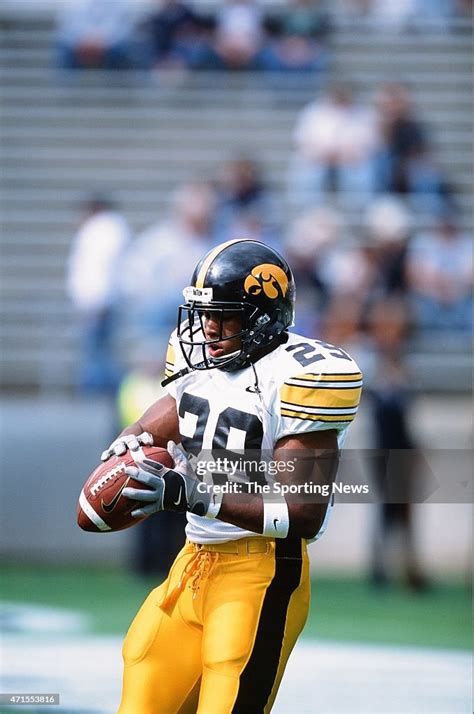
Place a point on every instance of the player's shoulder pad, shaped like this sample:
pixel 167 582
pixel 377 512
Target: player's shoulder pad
pixel 319 382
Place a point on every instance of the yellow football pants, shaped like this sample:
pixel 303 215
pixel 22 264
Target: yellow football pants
pixel 215 637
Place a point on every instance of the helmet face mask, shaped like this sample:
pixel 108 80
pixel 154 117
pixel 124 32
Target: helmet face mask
pixel 191 332
pixel 244 279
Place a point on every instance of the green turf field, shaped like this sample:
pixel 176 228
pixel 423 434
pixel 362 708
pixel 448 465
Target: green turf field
pixel 345 609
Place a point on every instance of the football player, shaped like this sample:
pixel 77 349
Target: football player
pixel 243 395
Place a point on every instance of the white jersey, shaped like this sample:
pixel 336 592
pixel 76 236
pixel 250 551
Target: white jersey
pixel 304 385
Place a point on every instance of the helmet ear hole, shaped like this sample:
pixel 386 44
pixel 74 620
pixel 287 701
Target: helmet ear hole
pixel 278 322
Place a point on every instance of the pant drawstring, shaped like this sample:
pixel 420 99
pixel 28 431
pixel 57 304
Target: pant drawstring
pixel 201 564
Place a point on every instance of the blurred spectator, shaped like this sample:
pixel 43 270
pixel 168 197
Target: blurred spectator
pixel 317 251
pixel 344 271
pixel 366 273
pixel 238 36
pixel 388 226
pixel 336 141
pixel 426 183
pixel 402 132
pixel 406 165
pixel 161 260
pixel 353 9
pixel 332 269
pixel 306 18
pixel 392 15
pixel 396 459
pixel 96 34
pixel 156 540
pixel 341 325
pixel 439 268
pixel 298 39
pixel 435 12
pixel 382 15
pixel 402 15
pixel 176 35
pixel 245 205
pixel 463 9
pixel 92 283
pixel 438 14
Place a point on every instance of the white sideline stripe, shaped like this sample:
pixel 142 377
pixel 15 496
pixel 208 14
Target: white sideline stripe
pixel 90 513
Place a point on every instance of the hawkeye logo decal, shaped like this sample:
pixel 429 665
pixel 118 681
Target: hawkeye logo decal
pixel 268 278
pixel 109 507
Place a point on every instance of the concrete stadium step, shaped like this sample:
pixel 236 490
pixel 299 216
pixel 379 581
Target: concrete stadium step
pixel 375 73
pixel 49 90
pixel 116 180
pixel 37 287
pixel 368 44
pixel 32 265
pixel 150 198
pixel 419 55
pixel 39 334
pixel 38 237
pixel 115 184
pixel 365 41
pixel 358 38
pixel 146 95
pixel 25 198
pixel 25 309
pixel 50 239
pixel 119 173
pixel 426 102
pixel 19 39
pixel 110 116
pixel 164 150
pixel 172 149
pixel 23 57
pixel 55 123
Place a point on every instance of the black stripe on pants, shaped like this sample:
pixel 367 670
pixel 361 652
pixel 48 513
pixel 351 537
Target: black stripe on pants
pixel 258 677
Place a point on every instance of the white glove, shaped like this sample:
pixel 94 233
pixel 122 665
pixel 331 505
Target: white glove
pixel 173 489
pixel 123 443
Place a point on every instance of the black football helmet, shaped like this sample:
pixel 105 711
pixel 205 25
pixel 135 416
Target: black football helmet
pixel 243 278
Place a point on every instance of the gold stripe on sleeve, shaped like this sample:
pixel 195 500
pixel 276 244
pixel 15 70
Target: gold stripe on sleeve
pixel 320 398
pixel 170 355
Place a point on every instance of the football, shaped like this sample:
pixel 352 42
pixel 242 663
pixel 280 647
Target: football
pixel 102 508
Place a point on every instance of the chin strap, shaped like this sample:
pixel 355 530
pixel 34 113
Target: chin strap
pixel 186 370
pixel 213 362
pixel 177 375
pixel 240 362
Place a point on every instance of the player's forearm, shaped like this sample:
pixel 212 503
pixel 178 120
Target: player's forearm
pixel 309 487
pixel 247 512
pixel 312 462
pixel 243 510
pixel 160 420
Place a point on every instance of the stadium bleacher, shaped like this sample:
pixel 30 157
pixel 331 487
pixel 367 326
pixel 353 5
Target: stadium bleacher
pixel 139 136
